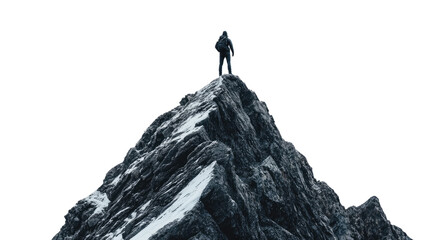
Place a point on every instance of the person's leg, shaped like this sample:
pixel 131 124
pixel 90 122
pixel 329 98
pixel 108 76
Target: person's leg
pixel 228 60
pixel 221 57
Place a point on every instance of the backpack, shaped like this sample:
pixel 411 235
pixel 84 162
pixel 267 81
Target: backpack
pixel 222 44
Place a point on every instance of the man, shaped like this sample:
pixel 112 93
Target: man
pixel 223 46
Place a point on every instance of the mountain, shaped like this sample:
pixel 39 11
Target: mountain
pixel 216 167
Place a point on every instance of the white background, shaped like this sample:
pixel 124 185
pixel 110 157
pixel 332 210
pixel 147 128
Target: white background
pixel 346 82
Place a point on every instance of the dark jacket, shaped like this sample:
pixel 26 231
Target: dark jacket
pixel 230 47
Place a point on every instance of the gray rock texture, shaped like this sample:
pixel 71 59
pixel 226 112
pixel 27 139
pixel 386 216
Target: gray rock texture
pixel 216 167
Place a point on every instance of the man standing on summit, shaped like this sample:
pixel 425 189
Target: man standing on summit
pixel 223 46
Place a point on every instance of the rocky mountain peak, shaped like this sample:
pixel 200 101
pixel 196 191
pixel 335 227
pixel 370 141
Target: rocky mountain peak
pixel 216 167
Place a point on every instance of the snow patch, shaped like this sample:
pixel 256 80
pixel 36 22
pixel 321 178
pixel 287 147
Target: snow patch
pixel 188 126
pixel 191 121
pixel 121 211
pixel 117 235
pixel 116 180
pixel 99 200
pixel 184 201
pixel 194 112
pixel 130 169
pixel 111 236
pixel 133 165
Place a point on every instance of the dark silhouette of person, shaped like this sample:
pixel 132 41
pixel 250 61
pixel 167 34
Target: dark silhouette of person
pixel 224 45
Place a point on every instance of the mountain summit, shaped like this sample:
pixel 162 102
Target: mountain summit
pixel 216 167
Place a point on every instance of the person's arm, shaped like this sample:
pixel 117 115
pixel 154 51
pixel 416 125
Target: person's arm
pixel 230 45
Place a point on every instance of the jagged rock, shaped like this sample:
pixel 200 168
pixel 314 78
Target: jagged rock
pixel 216 167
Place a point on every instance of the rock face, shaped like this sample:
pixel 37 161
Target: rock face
pixel 216 167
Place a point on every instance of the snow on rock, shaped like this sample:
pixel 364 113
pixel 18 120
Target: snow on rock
pixel 111 236
pixel 189 126
pixel 117 235
pixel 116 180
pixel 131 169
pixel 195 111
pixel 184 201
pixel 133 166
pixel 264 189
pixel 99 200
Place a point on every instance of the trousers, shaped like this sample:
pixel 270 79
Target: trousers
pixel 222 56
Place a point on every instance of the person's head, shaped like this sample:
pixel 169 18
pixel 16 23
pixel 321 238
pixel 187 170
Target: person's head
pixel 225 34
